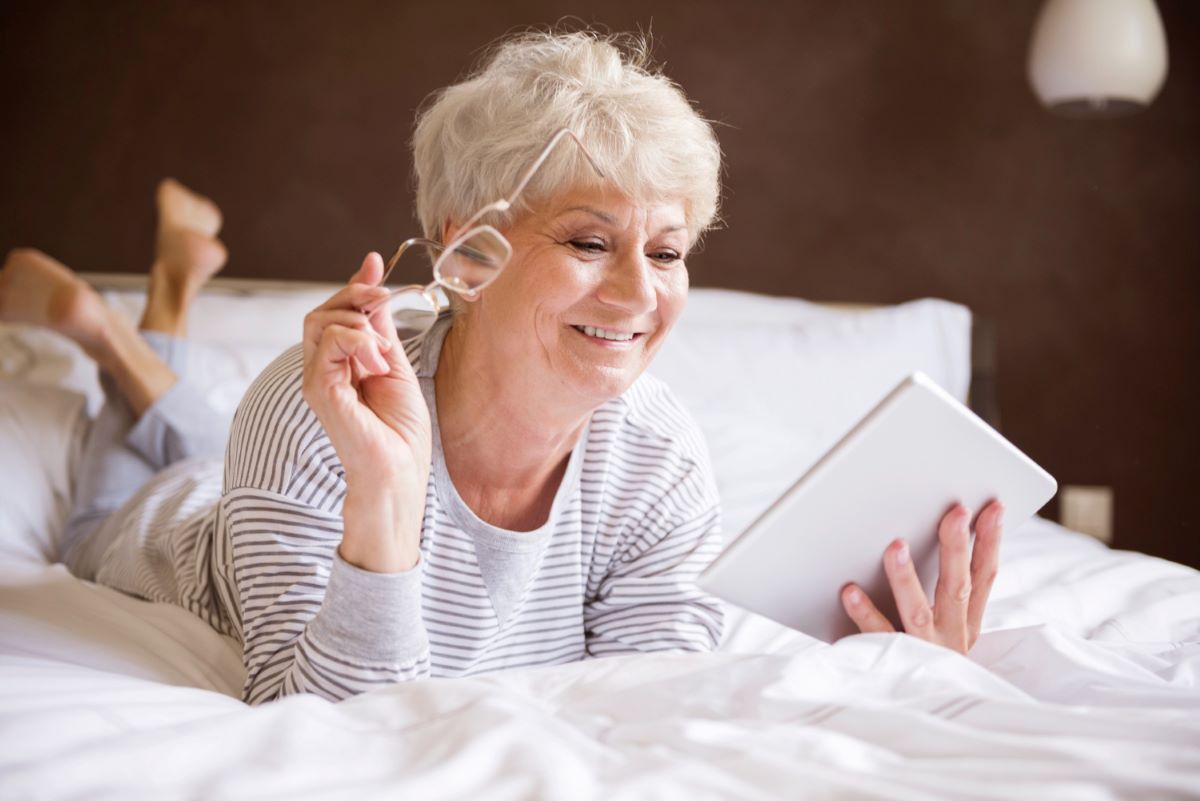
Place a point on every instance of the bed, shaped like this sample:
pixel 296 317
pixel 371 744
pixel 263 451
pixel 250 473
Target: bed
pixel 1084 684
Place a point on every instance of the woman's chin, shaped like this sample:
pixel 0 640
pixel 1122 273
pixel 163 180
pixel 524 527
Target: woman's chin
pixel 603 383
pixel 598 373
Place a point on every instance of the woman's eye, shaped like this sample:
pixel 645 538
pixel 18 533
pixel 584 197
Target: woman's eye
pixel 595 246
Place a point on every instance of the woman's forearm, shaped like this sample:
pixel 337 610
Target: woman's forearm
pixel 362 388
pixel 381 529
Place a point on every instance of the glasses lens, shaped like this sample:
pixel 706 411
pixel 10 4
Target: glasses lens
pixel 412 313
pixel 474 262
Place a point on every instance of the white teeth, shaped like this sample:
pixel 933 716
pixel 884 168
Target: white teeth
pixel 600 333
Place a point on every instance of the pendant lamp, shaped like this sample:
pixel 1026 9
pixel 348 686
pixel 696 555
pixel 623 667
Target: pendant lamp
pixel 1097 58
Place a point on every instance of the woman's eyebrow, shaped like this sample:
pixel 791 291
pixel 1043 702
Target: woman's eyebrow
pixel 611 220
pixel 608 218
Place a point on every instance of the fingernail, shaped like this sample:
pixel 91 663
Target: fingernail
pixel 384 343
pixel 902 555
pixel 853 597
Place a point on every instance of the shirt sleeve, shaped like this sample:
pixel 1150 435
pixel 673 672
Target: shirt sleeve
pixel 649 600
pixel 310 621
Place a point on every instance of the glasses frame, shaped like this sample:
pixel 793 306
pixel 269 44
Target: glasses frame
pixel 471 228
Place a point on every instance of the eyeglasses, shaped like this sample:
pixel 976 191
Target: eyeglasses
pixel 467 263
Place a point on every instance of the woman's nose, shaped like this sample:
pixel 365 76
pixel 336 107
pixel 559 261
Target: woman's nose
pixel 629 284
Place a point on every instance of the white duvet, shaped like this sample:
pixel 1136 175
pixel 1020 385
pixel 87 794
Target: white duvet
pixel 1084 686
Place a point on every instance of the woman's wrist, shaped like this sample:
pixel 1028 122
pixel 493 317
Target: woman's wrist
pixel 381 529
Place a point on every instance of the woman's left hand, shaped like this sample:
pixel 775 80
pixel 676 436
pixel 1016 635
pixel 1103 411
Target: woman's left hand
pixel 965 577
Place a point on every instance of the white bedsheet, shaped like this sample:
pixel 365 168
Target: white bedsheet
pixel 1087 685
pixel 99 699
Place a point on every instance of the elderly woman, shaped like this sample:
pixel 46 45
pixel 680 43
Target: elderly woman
pixel 505 488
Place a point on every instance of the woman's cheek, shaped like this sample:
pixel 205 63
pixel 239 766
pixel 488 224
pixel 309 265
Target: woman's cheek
pixel 673 296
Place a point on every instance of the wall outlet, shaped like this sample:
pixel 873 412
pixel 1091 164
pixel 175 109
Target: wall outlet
pixel 1087 509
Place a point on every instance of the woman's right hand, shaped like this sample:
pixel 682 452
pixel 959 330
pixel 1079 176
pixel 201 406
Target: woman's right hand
pixel 359 383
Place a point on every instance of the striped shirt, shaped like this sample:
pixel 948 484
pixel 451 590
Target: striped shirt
pixel 612 571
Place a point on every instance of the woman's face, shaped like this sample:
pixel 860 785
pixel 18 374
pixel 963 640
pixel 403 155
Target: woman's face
pixel 595 283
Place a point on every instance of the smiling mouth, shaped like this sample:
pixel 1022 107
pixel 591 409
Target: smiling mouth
pixel 607 335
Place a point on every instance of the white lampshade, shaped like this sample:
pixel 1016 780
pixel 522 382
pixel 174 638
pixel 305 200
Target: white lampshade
pixel 1097 57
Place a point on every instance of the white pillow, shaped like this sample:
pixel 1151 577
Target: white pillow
pixel 775 382
pixel 39 434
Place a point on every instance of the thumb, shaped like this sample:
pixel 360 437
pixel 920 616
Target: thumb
pixel 371 270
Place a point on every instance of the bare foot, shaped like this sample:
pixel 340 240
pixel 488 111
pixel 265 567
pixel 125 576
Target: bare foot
pixel 187 255
pixel 180 207
pixel 39 290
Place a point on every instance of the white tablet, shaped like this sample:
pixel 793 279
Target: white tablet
pixel 897 472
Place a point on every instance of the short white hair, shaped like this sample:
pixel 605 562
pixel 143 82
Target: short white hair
pixel 474 139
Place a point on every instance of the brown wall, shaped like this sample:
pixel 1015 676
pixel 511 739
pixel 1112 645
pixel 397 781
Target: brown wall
pixel 878 150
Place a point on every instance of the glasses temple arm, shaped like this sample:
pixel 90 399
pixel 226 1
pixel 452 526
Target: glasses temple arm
pixel 546 151
pixel 405 245
pixel 506 203
pixel 371 308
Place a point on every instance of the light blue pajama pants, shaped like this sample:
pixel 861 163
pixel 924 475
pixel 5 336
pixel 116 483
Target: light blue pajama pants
pixel 121 453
